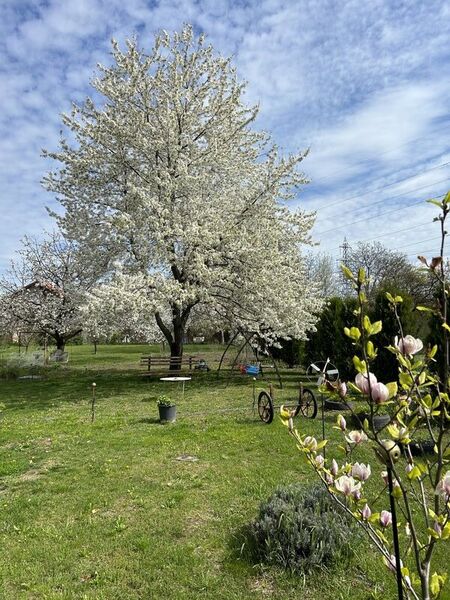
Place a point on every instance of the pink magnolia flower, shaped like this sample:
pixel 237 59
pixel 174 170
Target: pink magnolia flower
pixel 310 442
pixel 362 382
pixel 356 437
pixel 357 495
pixel 437 528
pixel 319 460
pixel 409 467
pixel 342 389
pixel 443 486
pixel 341 422
pixel 334 468
pixel 385 518
pixel 380 393
pixel 361 471
pixel 366 513
pixel 347 485
pixel 391 563
pixel 408 345
pixel 384 477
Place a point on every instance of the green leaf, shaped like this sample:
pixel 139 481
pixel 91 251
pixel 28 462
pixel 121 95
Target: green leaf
pixel 397 492
pixel 376 328
pixel 435 202
pixel 392 388
pixel 371 352
pixel 347 273
pixel 414 473
pixel 353 333
pixel 405 379
pixel 359 364
pixel 446 326
pixel 424 309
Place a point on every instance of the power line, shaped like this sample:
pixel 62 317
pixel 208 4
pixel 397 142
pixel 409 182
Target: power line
pixel 438 237
pixel 394 197
pixel 368 160
pixel 377 237
pixel 366 218
pixel 359 195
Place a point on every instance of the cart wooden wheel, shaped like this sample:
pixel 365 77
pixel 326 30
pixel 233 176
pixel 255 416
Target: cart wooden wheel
pixel 265 407
pixel 307 404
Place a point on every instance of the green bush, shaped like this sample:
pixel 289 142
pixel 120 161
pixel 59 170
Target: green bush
pixel 384 367
pixel 301 529
pixel 289 352
pixel 329 339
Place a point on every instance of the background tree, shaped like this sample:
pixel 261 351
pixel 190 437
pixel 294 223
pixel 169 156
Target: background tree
pixel 329 340
pixel 44 288
pixel 170 178
pixel 413 323
pixel 386 269
pixel 322 270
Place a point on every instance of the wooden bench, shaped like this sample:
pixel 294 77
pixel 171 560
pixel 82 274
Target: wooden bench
pixel 169 362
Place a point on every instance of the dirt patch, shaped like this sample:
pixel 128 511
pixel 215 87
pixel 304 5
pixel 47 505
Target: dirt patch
pixel 262 585
pixel 36 472
pixel 197 519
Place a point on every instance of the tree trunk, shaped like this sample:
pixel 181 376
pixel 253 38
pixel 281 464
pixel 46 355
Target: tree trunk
pixel 60 342
pixel 175 339
pixel 176 346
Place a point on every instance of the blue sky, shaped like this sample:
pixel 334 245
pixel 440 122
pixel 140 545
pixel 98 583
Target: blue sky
pixel 365 85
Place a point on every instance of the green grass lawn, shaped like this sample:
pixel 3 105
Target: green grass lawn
pixel 106 511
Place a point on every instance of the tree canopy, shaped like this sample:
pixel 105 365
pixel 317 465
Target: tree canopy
pixel 169 178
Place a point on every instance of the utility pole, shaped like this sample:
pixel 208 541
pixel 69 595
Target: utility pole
pixel 345 284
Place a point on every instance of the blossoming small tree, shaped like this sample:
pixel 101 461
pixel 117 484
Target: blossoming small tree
pixel 418 491
pixel 45 287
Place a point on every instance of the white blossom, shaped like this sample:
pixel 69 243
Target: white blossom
pixel 170 179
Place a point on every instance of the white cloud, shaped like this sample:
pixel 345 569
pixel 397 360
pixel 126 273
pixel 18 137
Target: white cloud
pixel 364 83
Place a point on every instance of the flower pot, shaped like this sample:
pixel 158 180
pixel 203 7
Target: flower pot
pixel 336 405
pixel 379 421
pixel 421 448
pixel 167 414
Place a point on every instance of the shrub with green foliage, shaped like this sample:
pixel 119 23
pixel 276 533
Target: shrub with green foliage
pixel 412 321
pixel 289 352
pixel 329 341
pixel 301 529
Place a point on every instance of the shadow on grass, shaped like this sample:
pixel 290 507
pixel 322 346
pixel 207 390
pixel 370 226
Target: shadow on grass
pixel 148 421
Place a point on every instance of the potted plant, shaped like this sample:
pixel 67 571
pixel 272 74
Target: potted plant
pixel 167 409
pixel 380 420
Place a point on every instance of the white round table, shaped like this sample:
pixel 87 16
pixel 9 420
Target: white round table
pixel 181 380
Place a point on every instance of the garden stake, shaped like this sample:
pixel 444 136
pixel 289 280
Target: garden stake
pixel 94 385
pixel 323 425
pixel 395 534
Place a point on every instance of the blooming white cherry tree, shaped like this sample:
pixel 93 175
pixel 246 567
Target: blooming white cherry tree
pixel 170 178
pixel 120 307
pixel 44 289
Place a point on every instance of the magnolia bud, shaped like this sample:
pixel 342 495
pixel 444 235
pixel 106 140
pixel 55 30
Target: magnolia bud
pixel 366 513
pixel 385 518
pixel 380 393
